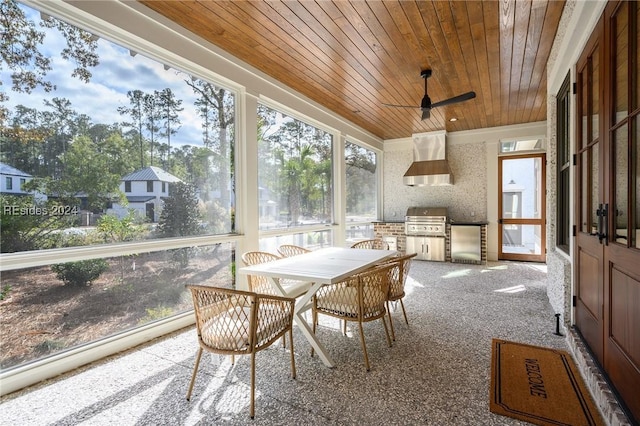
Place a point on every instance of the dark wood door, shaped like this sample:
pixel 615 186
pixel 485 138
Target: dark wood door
pixel 622 181
pixel 607 249
pixel 589 247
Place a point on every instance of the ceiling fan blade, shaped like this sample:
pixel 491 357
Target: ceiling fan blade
pixel 401 106
pixel 426 113
pixel 455 99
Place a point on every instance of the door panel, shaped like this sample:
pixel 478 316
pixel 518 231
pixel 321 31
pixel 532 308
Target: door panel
pixel 589 295
pixel 624 287
pixel 590 283
pixel 622 341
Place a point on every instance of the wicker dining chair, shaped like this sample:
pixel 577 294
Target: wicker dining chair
pixel 234 322
pixel 376 244
pixel 360 298
pixel 288 250
pixel 261 284
pixel 397 279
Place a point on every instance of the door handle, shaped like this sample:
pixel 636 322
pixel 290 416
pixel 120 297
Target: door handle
pixel 603 214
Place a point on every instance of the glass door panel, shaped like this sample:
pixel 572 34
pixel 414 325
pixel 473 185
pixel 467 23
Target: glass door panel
pixel 620 212
pixel 594 176
pixel 635 181
pixel 522 239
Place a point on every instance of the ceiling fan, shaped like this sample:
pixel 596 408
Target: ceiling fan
pixel 426 106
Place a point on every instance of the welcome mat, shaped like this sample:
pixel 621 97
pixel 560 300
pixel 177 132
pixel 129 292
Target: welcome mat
pixel 539 385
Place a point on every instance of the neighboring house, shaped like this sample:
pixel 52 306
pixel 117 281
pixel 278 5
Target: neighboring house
pixel 145 189
pixel 268 207
pixel 12 182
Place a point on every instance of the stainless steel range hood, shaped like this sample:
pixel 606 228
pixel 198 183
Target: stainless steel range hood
pixel 430 166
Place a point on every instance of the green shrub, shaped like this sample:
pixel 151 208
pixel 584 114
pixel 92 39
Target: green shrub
pixel 157 313
pixel 48 346
pixel 81 273
pixel 5 291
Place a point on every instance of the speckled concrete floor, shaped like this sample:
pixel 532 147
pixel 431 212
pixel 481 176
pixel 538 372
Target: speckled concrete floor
pixel 437 372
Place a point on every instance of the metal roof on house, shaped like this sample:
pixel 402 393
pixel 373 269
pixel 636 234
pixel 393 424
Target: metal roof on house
pixel 151 173
pixel 6 169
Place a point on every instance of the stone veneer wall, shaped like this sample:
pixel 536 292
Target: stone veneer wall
pixel 465 201
pixel 558 264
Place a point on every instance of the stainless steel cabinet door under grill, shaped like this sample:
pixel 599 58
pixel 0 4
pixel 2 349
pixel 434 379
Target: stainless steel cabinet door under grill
pixel 427 248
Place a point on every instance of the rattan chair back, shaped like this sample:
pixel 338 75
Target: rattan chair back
pixel 397 279
pixel 288 250
pixel 375 244
pixel 237 322
pixel 257 283
pixel 398 275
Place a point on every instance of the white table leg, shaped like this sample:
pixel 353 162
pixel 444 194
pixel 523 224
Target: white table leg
pixel 302 304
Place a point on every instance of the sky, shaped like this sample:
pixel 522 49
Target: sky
pixel 117 73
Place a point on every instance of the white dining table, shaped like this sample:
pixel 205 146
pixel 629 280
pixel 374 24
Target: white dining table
pixel 319 267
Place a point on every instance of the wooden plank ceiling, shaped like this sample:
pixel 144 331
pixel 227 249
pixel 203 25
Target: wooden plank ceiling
pixel 354 56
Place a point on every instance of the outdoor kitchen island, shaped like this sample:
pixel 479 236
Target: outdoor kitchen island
pixel 396 230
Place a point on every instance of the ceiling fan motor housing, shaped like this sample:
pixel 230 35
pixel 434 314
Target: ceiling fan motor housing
pixel 426 102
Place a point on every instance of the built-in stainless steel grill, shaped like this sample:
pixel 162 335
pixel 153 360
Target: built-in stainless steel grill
pixel 426 221
pixel 426 231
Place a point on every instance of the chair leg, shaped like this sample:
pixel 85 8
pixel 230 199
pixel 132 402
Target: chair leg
pixel 364 346
pixel 314 320
pixel 404 312
pixel 195 370
pixel 393 333
pixel 386 330
pixel 344 327
pixel 293 358
pixel 253 385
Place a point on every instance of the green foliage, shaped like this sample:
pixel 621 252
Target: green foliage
pixel 180 257
pixel 5 291
pixel 216 218
pixel 27 224
pixel 19 39
pixel 87 170
pixel 48 346
pixel 154 314
pixel 29 66
pixel 81 273
pixel 295 166
pixel 113 230
pixel 180 215
pixel 70 154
